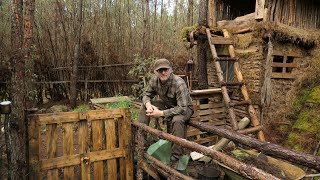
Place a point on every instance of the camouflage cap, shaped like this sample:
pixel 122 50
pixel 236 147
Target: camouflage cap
pixel 162 63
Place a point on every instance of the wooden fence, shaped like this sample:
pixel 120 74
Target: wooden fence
pixel 95 144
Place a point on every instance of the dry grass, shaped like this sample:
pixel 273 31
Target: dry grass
pixel 284 33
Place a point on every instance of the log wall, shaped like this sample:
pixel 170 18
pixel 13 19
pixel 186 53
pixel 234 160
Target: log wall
pixel 297 13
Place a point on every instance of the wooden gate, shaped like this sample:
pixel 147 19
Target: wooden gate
pixel 95 144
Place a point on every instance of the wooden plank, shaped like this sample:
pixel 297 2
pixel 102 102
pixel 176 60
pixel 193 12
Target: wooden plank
pixel 129 144
pixel 68 172
pixel 51 140
pixel 109 100
pixel 75 159
pixel 99 156
pixel 83 149
pixel 292 65
pixel 104 114
pixel 65 117
pixel 111 144
pixel 282 75
pixel 221 40
pixel 97 146
pixel 34 143
pixel 122 145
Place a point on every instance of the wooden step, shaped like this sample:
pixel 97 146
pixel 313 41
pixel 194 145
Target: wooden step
pixel 225 59
pixel 221 40
pixel 223 83
pixel 241 103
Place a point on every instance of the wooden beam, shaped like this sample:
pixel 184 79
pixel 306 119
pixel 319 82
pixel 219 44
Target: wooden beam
pixel 292 65
pixel 282 76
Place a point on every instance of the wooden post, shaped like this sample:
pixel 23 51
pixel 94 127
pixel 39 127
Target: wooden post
pixel 33 140
pixel 259 13
pixel 212 14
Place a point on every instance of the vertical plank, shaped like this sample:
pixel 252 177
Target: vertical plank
pixel 259 13
pixel 33 140
pixel 68 172
pixel 111 144
pixel 122 145
pixel 97 146
pixel 128 143
pixel 83 149
pixel 51 140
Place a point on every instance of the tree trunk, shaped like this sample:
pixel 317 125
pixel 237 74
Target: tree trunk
pixel 202 47
pixel 146 31
pixel 31 95
pixel 74 74
pixel 190 12
pixel 15 125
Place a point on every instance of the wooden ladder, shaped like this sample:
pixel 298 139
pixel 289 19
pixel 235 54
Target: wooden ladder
pixel 225 39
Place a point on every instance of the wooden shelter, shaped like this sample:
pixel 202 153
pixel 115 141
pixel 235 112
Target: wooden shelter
pixel 274 42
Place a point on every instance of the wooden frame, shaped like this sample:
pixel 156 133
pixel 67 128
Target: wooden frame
pixel 104 137
pixel 283 69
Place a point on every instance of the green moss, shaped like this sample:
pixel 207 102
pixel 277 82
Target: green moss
pixel 186 30
pixel 184 34
pixel 81 108
pixel 308 121
pixel 294 142
pixel 306 126
pixel 314 96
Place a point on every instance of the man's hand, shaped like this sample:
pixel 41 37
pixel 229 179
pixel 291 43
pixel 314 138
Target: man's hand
pixel 156 113
pixel 150 107
pixel 153 111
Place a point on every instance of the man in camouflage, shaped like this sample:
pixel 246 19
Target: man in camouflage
pixel 173 103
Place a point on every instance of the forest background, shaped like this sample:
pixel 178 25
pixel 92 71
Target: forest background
pixel 40 36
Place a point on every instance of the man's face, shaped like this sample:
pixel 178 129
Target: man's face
pixel 163 74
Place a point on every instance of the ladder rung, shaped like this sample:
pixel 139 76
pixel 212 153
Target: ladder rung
pixel 225 59
pixel 221 40
pixel 241 103
pixel 222 83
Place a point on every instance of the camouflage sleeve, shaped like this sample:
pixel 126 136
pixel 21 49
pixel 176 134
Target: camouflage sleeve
pixel 149 92
pixel 182 101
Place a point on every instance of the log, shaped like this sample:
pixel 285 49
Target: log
pixel 267 148
pixel 243 169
